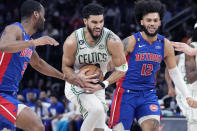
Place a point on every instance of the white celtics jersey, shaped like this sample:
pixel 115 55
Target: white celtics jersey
pixel 97 54
pixel 181 64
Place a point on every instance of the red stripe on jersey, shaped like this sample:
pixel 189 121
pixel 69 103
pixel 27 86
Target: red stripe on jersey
pixel 4 61
pixel 115 108
pixel 8 109
pixel 119 83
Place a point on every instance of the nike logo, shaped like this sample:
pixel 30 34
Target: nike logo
pixel 142 45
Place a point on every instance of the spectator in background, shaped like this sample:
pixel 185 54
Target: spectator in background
pixel 31 101
pixel 56 109
pixel 43 97
pixel 30 89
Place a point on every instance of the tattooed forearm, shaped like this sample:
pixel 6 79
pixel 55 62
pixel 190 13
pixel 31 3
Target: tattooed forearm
pixel 125 42
pixel 113 37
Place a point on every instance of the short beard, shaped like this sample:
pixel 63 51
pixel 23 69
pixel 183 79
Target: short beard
pixel 39 26
pixel 149 34
pixel 91 33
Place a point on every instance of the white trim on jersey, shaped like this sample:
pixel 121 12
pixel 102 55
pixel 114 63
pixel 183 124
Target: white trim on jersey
pixel 2 58
pixel 8 111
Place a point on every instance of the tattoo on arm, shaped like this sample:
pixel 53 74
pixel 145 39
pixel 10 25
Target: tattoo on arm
pixel 113 37
pixel 68 37
pixel 125 42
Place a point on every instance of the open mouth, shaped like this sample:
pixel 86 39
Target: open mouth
pixel 151 29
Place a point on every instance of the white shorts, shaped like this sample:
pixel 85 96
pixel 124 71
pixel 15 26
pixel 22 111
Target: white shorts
pixel 188 112
pixel 73 92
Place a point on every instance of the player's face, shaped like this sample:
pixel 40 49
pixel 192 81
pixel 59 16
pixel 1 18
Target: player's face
pixel 40 22
pixel 94 25
pixel 151 23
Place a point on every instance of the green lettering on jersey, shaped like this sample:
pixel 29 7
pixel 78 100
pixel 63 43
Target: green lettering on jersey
pixel 94 57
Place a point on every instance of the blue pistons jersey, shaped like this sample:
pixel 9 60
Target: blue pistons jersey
pixel 143 63
pixel 135 95
pixel 13 65
pixel 12 68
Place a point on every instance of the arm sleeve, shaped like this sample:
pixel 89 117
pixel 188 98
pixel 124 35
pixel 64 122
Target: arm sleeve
pixel 177 78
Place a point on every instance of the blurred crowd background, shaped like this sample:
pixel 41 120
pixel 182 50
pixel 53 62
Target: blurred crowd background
pixel 45 95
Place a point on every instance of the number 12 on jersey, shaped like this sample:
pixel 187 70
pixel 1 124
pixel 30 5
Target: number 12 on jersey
pixel 147 69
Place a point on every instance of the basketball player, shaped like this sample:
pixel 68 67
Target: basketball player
pixel 17 50
pixel 93 44
pixel 187 66
pixel 186 48
pixel 135 95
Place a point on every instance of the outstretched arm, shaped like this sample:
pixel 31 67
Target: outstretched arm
pixel 43 67
pixel 11 40
pixel 175 74
pixel 179 46
pixel 171 90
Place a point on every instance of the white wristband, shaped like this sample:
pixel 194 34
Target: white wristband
pixel 106 83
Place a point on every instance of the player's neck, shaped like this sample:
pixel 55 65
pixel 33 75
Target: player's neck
pixel 90 41
pixel 150 39
pixel 28 26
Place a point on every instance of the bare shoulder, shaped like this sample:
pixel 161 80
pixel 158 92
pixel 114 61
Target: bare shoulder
pixel 71 40
pixel 11 32
pixel 14 28
pixel 131 44
pixel 112 37
pixel 70 46
pixel 113 40
pixel 168 48
pixel 114 43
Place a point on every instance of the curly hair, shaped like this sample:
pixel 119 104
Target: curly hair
pixel 143 7
pixel 92 9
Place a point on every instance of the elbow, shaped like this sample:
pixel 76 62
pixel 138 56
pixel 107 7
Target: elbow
pixel 62 68
pixel 36 64
pixel 2 48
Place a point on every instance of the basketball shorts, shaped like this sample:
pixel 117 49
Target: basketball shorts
pixel 73 92
pixel 130 104
pixel 10 107
pixel 80 98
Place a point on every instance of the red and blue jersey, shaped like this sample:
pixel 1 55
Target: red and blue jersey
pixel 143 64
pixel 13 65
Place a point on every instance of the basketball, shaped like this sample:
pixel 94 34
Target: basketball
pixel 93 69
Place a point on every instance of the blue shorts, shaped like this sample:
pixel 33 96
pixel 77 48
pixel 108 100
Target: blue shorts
pixel 8 110
pixel 127 105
